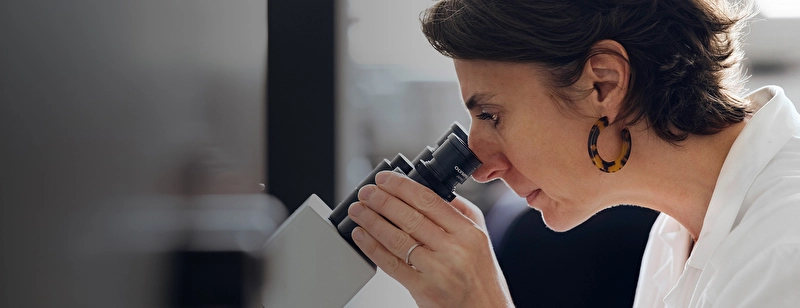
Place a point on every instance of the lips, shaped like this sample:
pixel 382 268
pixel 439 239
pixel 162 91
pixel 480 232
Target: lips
pixel 532 196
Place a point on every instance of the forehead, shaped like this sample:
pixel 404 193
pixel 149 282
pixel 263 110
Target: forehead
pixel 493 77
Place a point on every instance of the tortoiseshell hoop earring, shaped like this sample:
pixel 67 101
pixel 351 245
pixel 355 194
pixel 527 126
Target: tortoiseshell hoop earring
pixel 608 166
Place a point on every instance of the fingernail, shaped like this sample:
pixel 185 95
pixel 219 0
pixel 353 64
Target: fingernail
pixel 356 209
pixel 358 234
pixel 365 192
pixel 381 177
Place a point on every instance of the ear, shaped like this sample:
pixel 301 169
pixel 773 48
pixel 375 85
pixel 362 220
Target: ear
pixel 607 73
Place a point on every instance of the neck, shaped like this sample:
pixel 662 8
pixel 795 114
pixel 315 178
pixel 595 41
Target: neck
pixel 685 174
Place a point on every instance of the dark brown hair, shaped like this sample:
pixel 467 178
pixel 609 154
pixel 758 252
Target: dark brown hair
pixel 684 54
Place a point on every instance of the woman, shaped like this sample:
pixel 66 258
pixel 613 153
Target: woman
pixel 583 105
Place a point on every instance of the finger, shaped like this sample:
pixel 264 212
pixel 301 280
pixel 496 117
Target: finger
pixel 401 215
pixel 419 257
pixel 394 240
pixel 464 207
pixel 424 200
pixel 388 262
pixel 470 210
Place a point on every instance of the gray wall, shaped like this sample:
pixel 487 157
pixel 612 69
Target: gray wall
pixel 113 113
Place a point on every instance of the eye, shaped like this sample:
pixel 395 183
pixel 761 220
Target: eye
pixel 485 116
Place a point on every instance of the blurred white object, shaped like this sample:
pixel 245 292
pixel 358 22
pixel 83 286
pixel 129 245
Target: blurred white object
pixel 779 8
pixel 382 291
pixel 308 264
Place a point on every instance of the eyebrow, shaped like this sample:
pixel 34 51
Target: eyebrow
pixel 477 99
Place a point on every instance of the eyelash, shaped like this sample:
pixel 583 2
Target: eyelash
pixel 485 116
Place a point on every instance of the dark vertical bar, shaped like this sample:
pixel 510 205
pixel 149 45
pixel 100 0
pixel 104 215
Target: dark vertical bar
pixel 300 100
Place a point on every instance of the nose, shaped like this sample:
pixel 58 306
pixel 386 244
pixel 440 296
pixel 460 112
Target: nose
pixel 489 151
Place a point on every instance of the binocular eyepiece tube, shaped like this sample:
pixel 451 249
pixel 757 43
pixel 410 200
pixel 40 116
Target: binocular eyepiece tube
pixel 439 168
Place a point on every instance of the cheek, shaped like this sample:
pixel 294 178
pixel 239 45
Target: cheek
pixel 544 149
pixel 531 157
pixel 556 159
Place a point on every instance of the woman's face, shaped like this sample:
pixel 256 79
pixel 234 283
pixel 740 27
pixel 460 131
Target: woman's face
pixel 531 141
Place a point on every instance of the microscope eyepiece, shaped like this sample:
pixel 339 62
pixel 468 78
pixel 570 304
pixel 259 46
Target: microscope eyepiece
pixel 452 163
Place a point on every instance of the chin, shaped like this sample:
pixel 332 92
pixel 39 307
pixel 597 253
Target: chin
pixel 559 225
pixel 554 218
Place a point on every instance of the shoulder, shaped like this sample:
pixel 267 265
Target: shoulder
pixel 765 274
pixel 758 264
pixel 769 214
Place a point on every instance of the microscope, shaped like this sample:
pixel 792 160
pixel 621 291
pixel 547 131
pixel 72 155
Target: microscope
pixel 311 259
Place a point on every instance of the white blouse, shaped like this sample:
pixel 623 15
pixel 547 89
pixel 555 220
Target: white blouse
pixel 748 251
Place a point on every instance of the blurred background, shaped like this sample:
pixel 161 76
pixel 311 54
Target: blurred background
pixel 144 140
pixel 133 134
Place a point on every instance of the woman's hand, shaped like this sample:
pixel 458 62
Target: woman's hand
pixel 453 267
